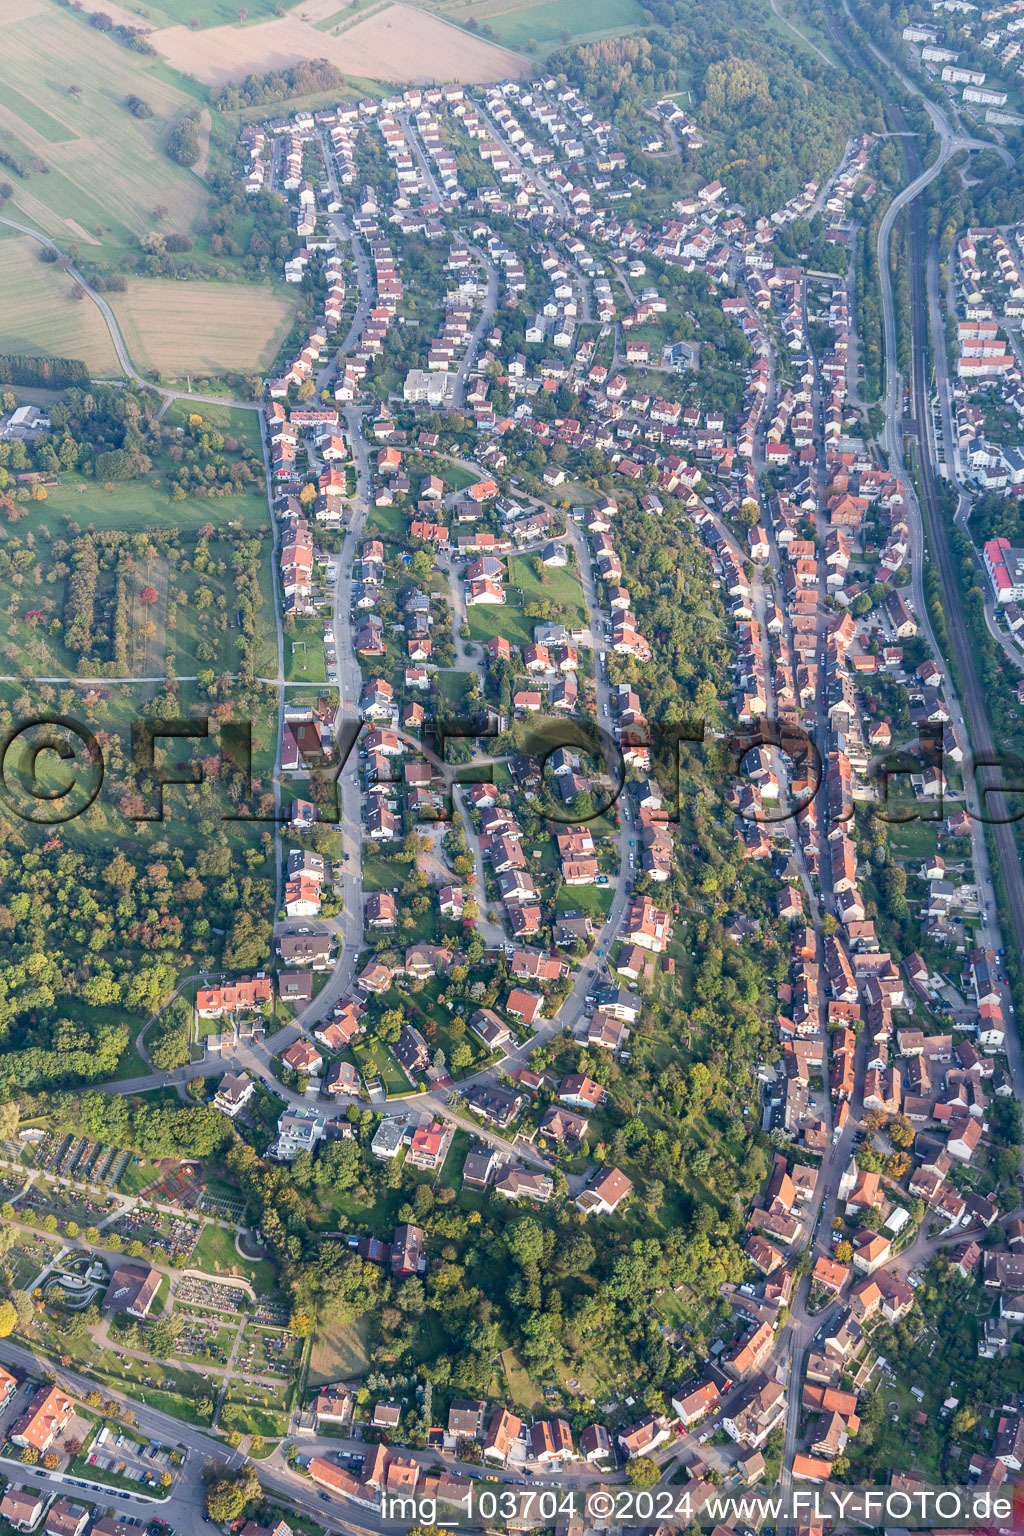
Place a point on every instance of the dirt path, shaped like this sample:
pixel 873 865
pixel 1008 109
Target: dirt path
pixel 154 646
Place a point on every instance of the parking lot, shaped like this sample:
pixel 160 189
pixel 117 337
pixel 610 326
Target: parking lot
pixel 119 1455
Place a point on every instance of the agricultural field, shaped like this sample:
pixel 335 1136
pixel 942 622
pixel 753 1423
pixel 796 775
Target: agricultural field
pixel 102 186
pixel 199 327
pixel 398 43
pixel 39 316
pixel 209 13
pixel 550 24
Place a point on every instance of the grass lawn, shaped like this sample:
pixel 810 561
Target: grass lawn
pixel 381 874
pixel 179 1405
pixel 341 1210
pixel 811 39
pixel 542 860
pixel 267 660
pixel 131 1063
pixel 139 504
pixel 523 1390
pixel 252 1418
pixel 594 900
pixel 559 586
pixel 304 660
pixel 217 1255
pixel 451 687
pixel 179 1396
pixel 214 625
pixel 489 619
pixel 340 1350
pixel 914 840
pixel 227 419
pixel 375 1060
pixel 387 523
pixel 457 479
pixel 450 1176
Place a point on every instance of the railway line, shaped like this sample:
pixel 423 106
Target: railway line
pixel 967 702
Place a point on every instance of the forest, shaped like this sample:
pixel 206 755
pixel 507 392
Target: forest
pixel 91 943
pixel 305 79
pixel 771 120
pixel 100 916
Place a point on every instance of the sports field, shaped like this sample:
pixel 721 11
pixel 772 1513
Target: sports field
pixel 38 314
pixel 107 169
pixel 201 327
pixel 398 43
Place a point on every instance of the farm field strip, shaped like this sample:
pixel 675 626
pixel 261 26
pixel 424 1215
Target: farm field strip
pixel 38 314
pixel 178 327
pixel 107 182
pixel 21 108
pixel 398 43
pixel 545 23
